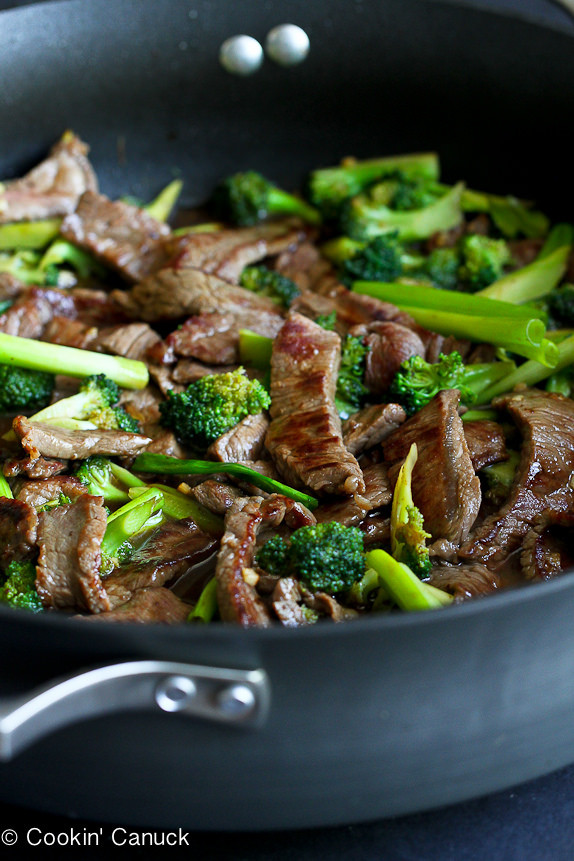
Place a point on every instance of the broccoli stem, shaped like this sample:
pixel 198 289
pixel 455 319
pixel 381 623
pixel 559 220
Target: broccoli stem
pixel 281 202
pixel 160 463
pixel 479 415
pixel 179 506
pixel 57 359
pixel 255 350
pixel 130 519
pixel 31 235
pixel 531 282
pixel 5 489
pixel 206 606
pixel 61 251
pixel 510 215
pixel 515 328
pixel 530 373
pixel 161 207
pixel 404 587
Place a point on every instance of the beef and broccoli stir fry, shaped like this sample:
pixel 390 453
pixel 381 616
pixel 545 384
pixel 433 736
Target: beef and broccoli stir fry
pixel 354 400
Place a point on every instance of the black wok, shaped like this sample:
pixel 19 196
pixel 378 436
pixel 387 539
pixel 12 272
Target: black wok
pixel 331 724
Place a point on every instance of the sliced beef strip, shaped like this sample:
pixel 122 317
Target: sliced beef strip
pixel 372 425
pixel 131 341
pixel 70 333
pixel 148 605
pixel 243 442
pixel 53 187
pixel 376 529
pixel 226 253
pixel 174 548
pixel 486 443
pixel 122 236
pixel 305 437
pixel 165 442
pixel 327 605
pixel 18 525
pixel 303 265
pixel 29 315
pixel 38 493
pixel 10 286
pixel 548 548
pixel 390 344
pixel 464 581
pixel 163 379
pixel 187 371
pixel 376 495
pixel 445 487
pixel 543 478
pixel 68 568
pixel 211 338
pixel 38 438
pixel 244 521
pixel 142 404
pixel 172 294
pixel 286 603
pixel 42 467
pixel 215 495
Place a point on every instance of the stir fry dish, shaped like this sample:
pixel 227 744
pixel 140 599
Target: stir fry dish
pixel 294 408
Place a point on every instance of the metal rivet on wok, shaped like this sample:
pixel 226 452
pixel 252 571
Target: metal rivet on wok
pixel 236 700
pixel 174 693
pixel 241 55
pixel 287 44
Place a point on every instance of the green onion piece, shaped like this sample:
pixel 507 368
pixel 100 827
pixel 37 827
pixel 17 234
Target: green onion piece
pixel 531 282
pixel 180 505
pixel 206 606
pixel 479 416
pixel 37 355
pixel 206 227
pixel 161 207
pixel 32 235
pixel 130 519
pixel 161 463
pixel 5 489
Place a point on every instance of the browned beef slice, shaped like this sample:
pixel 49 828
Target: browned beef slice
pixel 148 605
pixel 187 371
pixel 68 569
pixel 40 492
pixel 174 548
pixel 248 516
pixel 371 426
pixel 390 344
pixel 305 438
pixel 445 488
pixel 303 265
pixel 543 478
pixel 131 341
pixel 486 443
pixel 70 333
pixel 28 316
pixel 327 605
pixel 376 528
pixel 215 496
pixel 465 581
pixel 39 438
pixel 10 286
pixel 142 404
pixel 548 548
pixel 352 511
pixel 171 294
pixel 211 338
pixel 165 442
pixel 40 468
pixel 51 188
pixel 163 379
pixel 226 253
pixel 18 523
pixel 243 442
pixel 122 236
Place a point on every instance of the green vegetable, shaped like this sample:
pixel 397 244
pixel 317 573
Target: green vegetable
pixel 511 216
pixel 499 477
pixel 417 381
pixel 267 282
pixel 560 303
pixel 94 403
pixel 161 207
pixel 160 463
pixel 442 267
pixel 21 389
pixel 403 586
pixel 255 350
pixel 19 586
pixel 5 489
pixel 56 359
pixel 124 525
pixel 378 260
pixel 327 556
pixel 206 606
pixel 247 198
pixel 408 537
pixel 484 260
pixel 29 235
pixel 350 388
pixel 329 187
pixel 103 477
pixel 179 506
pixel 363 219
pixel 212 405
pixel 63 252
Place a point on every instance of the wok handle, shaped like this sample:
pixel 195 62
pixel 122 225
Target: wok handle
pixel 237 697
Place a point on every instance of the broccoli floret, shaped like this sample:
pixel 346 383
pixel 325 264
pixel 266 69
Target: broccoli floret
pixel 442 268
pixel 327 321
pixel 61 499
pixel 379 260
pixel 403 194
pixel 484 260
pixel 95 403
pixel 408 536
pixel 247 198
pixel 267 282
pixel 273 556
pixel 417 381
pixel 212 405
pixel 350 388
pixel 560 304
pixel 363 217
pixel 102 477
pixel 328 556
pixel 19 587
pixel 21 389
